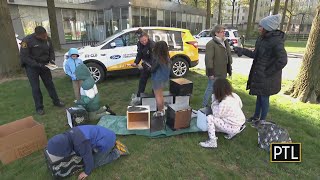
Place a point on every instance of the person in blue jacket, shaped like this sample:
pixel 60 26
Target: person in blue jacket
pixel 95 144
pixel 70 67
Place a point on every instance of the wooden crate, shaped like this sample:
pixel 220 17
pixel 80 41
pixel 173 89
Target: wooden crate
pixel 138 117
pixel 178 116
pixel 181 87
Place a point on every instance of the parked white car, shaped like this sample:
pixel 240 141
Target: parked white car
pixel 205 36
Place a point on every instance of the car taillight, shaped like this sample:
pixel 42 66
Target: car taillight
pixel 235 41
pixel 193 43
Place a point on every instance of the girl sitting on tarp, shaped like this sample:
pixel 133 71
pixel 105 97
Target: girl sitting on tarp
pixel 227 116
pixel 89 96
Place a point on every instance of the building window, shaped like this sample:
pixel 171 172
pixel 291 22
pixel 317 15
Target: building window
pixel 153 17
pixel 173 19
pixel 179 20
pixel 184 21
pixel 116 20
pixel 32 17
pixel 144 17
pixel 124 18
pixel 135 16
pixel 160 17
pixel 167 19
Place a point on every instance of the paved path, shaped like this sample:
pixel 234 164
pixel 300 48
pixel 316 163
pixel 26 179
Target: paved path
pixel 240 65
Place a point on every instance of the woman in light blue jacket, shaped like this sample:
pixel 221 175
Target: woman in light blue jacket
pixel 70 68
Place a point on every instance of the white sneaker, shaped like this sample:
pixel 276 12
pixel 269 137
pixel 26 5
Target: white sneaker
pixel 211 143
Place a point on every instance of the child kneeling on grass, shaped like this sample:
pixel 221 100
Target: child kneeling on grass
pixel 227 116
pixel 90 98
pixel 160 72
pixel 95 144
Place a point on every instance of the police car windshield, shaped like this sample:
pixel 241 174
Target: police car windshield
pixel 109 38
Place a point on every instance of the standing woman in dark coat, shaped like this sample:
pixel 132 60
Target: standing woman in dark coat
pixel 145 47
pixel 269 58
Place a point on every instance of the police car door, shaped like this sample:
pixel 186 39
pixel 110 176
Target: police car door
pixel 121 51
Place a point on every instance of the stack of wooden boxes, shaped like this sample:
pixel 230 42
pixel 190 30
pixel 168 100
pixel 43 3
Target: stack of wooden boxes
pixel 176 102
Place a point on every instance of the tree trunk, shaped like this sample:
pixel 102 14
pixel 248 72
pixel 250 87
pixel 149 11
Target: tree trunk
pixel 249 18
pixel 196 3
pixel 233 1
pixel 284 14
pixel 276 7
pixel 53 24
pixel 307 85
pixel 290 17
pixel 9 52
pixel 219 13
pixel 208 25
pixel 254 14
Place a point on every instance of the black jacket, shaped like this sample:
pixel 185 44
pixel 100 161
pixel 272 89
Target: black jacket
pixel 270 58
pixel 35 52
pixel 145 53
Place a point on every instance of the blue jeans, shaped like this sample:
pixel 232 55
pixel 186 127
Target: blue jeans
pixel 262 107
pixel 208 93
pixel 102 158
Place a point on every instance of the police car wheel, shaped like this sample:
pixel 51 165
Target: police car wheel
pixel 179 68
pixel 96 72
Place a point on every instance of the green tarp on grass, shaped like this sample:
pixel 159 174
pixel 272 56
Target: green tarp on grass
pixel 118 124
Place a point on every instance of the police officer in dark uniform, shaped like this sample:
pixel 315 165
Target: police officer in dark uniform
pixel 37 51
pixel 145 47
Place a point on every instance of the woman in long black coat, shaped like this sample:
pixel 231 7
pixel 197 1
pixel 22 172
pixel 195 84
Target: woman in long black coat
pixel 269 58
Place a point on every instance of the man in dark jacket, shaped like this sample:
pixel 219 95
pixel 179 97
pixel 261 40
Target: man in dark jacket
pixel 217 58
pixel 36 51
pixel 95 144
pixel 269 58
pixel 145 47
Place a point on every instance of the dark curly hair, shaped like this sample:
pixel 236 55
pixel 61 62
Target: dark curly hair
pixel 161 51
pixel 221 89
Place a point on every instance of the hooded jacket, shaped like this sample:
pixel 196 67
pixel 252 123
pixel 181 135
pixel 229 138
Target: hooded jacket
pixel 89 96
pixel 269 58
pixel 71 64
pixel 83 140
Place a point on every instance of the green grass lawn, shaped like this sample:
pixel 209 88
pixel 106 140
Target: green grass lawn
pixel 177 157
pixel 290 46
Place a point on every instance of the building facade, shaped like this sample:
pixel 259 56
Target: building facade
pixel 82 20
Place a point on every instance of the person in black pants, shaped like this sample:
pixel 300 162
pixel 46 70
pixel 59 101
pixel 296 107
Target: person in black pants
pixel 145 47
pixel 37 51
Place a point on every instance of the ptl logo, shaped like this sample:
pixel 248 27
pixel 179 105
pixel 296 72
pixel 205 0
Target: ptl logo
pixel 285 152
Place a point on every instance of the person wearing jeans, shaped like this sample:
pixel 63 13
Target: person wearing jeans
pixel 218 55
pixel 96 145
pixel 208 92
pixel 262 107
pixel 269 58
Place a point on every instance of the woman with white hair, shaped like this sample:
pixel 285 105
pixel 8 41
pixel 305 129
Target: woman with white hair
pixel 269 58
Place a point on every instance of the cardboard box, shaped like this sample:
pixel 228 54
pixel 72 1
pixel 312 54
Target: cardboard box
pixel 21 138
pixel 138 117
pixel 77 116
pixel 181 87
pixel 178 116
pixel 62 167
pixel 202 118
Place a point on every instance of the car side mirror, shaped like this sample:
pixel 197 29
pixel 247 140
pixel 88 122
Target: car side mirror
pixel 113 44
pixel 197 36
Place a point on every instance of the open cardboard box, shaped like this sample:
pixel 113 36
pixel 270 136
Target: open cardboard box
pixel 21 138
pixel 138 117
